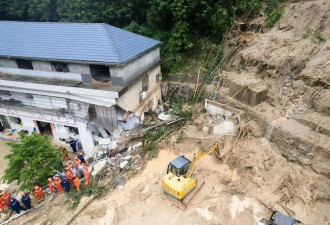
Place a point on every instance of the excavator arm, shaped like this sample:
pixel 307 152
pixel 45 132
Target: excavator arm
pixel 212 148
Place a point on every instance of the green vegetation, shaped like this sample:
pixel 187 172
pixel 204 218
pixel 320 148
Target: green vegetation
pixel 316 37
pixel 274 17
pixel 93 188
pixel 32 158
pixel 273 12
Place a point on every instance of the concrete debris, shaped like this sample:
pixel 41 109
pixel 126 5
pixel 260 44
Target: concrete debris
pixel 137 162
pixel 162 116
pixel 97 167
pixel 226 127
pixel 130 122
pixel 104 141
pixel 123 164
pixel 116 134
pixel 222 119
pixel 127 158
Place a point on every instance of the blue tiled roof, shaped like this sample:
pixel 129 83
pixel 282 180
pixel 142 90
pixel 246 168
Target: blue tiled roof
pixel 92 42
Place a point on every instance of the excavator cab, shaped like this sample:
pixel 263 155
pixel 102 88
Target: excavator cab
pixel 278 218
pixel 179 166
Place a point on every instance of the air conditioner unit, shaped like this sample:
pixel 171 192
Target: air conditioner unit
pixel 143 95
pixel 158 77
pixel 74 106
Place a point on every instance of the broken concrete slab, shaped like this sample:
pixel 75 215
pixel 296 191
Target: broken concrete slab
pixel 298 143
pixel 247 89
pixel 123 164
pixel 226 127
pixel 215 108
pixel 98 167
pixel 316 121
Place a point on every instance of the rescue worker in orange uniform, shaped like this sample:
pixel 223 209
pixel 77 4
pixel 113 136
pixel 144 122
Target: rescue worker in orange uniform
pixel 39 193
pixel 2 207
pixel 69 175
pixel 58 185
pixel 5 198
pixel 77 182
pixel 51 185
pixel 86 175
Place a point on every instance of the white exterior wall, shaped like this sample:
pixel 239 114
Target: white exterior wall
pixel 79 68
pixel 41 66
pixel 41 74
pixel 136 67
pixel 28 124
pixel 60 131
pixel 130 100
pixel 10 63
pixel 86 138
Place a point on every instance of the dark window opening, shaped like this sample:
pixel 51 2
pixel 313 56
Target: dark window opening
pixel 91 111
pixel 3 92
pixel 29 96
pixel 145 83
pixel 100 73
pixel 24 64
pixel 73 130
pixel 60 67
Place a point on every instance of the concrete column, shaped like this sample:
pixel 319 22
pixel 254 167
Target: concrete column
pixel 86 137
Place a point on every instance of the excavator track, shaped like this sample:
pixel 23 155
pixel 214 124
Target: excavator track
pixel 184 203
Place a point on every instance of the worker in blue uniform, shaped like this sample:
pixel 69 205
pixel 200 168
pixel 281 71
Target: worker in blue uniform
pixel 73 144
pixel 26 200
pixel 15 206
pixel 65 184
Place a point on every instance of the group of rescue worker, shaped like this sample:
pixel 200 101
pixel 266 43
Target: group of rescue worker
pixel 73 173
pixel 8 202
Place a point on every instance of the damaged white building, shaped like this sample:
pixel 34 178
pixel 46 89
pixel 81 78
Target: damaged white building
pixel 73 79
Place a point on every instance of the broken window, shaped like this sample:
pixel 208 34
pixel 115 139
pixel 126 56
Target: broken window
pixel 60 67
pixel 3 92
pixel 100 73
pixel 145 83
pixel 24 64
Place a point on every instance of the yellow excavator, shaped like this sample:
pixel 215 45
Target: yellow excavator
pixel 178 183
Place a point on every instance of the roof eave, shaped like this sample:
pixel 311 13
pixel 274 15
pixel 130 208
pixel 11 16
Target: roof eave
pixel 63 60
pixel 83 61
pixel 140 54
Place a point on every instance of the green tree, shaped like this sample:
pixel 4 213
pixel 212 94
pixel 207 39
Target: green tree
pixel 42 10
pixel 32 158
pixel 78 11
pixel 18 9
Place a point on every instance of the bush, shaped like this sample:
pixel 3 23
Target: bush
pixel 247 6
pixel 34 158
pixel 315 37
pixel 274 17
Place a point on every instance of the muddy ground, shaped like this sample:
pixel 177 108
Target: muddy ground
pixel 4 150
pixel 247 184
